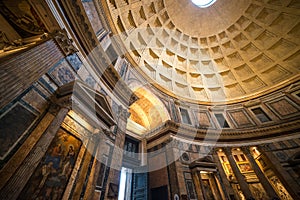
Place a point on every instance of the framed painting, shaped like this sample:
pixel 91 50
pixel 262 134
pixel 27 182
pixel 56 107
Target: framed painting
pixel 52 174
pixel 245 167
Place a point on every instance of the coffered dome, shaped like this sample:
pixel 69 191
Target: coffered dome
pixel 229 51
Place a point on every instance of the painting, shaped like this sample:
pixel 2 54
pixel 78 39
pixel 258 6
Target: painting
pixel 20 115
pixel 52 174
pixel 244 167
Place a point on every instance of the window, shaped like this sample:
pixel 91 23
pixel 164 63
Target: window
pixel 222 121
pixel 261 115
pixel 185 116
pixel 125 185
pixel 131 147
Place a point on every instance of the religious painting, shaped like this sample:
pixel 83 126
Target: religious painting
pixel 52 174
pixel 244 167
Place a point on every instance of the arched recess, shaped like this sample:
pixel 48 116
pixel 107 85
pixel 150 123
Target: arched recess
pixel 147 112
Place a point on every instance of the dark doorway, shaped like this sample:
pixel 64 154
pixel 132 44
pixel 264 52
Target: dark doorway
pixel 160 193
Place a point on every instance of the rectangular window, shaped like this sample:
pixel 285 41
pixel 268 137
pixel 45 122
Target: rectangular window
pixel 185 116
pixel 222 121
pixel 131 147
pixel 261 115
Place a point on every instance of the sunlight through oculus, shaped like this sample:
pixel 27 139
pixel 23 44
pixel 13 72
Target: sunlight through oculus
pixel 203 3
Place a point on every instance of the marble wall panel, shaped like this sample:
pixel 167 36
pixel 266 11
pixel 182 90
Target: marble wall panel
pixel 284 107
pixel 14 123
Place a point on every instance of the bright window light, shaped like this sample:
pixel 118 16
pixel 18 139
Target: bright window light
pixel 203 3
pixel 122 184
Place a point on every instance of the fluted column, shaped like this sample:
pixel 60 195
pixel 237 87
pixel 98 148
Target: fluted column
pixel 215 189
pixel 198 184
pixel 201 184
pixel 263 180
pixel 19 72
pixel 221 176
pixel 289 183
pixel 239 176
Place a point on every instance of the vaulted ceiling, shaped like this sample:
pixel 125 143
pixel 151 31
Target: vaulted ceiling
pixel 230 51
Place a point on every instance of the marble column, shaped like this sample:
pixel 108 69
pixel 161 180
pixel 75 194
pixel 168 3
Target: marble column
pixel 91 185
pixel 198 186
pixel 220 186
pixel 215 189
pixel 227 189
pixel 201 184
pixel 239 176
pixel 262 179
pixel 289 183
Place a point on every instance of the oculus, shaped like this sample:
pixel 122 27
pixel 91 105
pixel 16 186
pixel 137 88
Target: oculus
pixel 203 3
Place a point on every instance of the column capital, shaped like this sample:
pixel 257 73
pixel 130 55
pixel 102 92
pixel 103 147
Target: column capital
pixel 63 41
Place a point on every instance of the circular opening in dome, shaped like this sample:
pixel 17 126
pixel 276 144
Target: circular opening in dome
pixel 203 3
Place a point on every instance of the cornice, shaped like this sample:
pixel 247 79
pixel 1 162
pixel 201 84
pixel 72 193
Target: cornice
pixel 224 136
